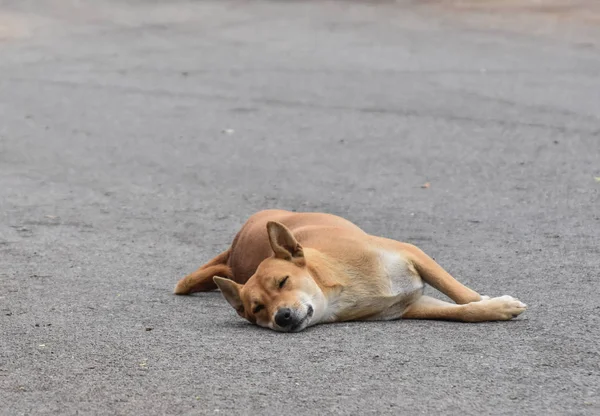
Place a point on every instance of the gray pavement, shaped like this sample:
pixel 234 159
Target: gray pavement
pixel 137 136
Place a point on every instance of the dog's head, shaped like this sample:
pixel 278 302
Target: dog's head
pixel 281 294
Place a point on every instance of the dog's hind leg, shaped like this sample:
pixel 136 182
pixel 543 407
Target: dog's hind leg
pixel 202 279
pixel 496 309
pixel 434 275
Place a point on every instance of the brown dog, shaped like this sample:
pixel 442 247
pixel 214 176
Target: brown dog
pixel 287 271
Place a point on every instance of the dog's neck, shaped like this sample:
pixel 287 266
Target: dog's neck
pixel 327 273
pixel 331 277
pixel 340 300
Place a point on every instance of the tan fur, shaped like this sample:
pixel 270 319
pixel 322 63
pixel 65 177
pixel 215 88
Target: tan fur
pixel 287 271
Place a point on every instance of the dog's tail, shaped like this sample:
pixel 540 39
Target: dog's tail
pixel 202 279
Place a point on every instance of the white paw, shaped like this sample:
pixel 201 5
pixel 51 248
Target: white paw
pixel 501 308
pixel 485 297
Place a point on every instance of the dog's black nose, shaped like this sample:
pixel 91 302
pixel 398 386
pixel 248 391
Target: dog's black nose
pixel 283 317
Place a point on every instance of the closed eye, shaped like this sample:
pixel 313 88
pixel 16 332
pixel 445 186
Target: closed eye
pixel 282 283
pixel 257 309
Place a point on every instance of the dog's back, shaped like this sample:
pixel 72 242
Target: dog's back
pixel 251 245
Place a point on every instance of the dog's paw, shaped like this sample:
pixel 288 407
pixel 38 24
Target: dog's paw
pixel 502 308
pixel 483 297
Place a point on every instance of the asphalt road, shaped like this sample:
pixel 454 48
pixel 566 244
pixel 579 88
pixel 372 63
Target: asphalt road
pixel 136 137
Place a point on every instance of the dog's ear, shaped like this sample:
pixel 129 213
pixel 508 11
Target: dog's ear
pixel 231 293
pixel 284 244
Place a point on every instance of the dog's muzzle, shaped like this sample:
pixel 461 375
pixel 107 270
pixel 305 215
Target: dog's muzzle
pixel 290 320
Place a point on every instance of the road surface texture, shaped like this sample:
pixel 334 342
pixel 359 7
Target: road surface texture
pixel 137 136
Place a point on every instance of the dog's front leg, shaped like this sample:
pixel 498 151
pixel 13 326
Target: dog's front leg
pixel 496 309
pixel 378 308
